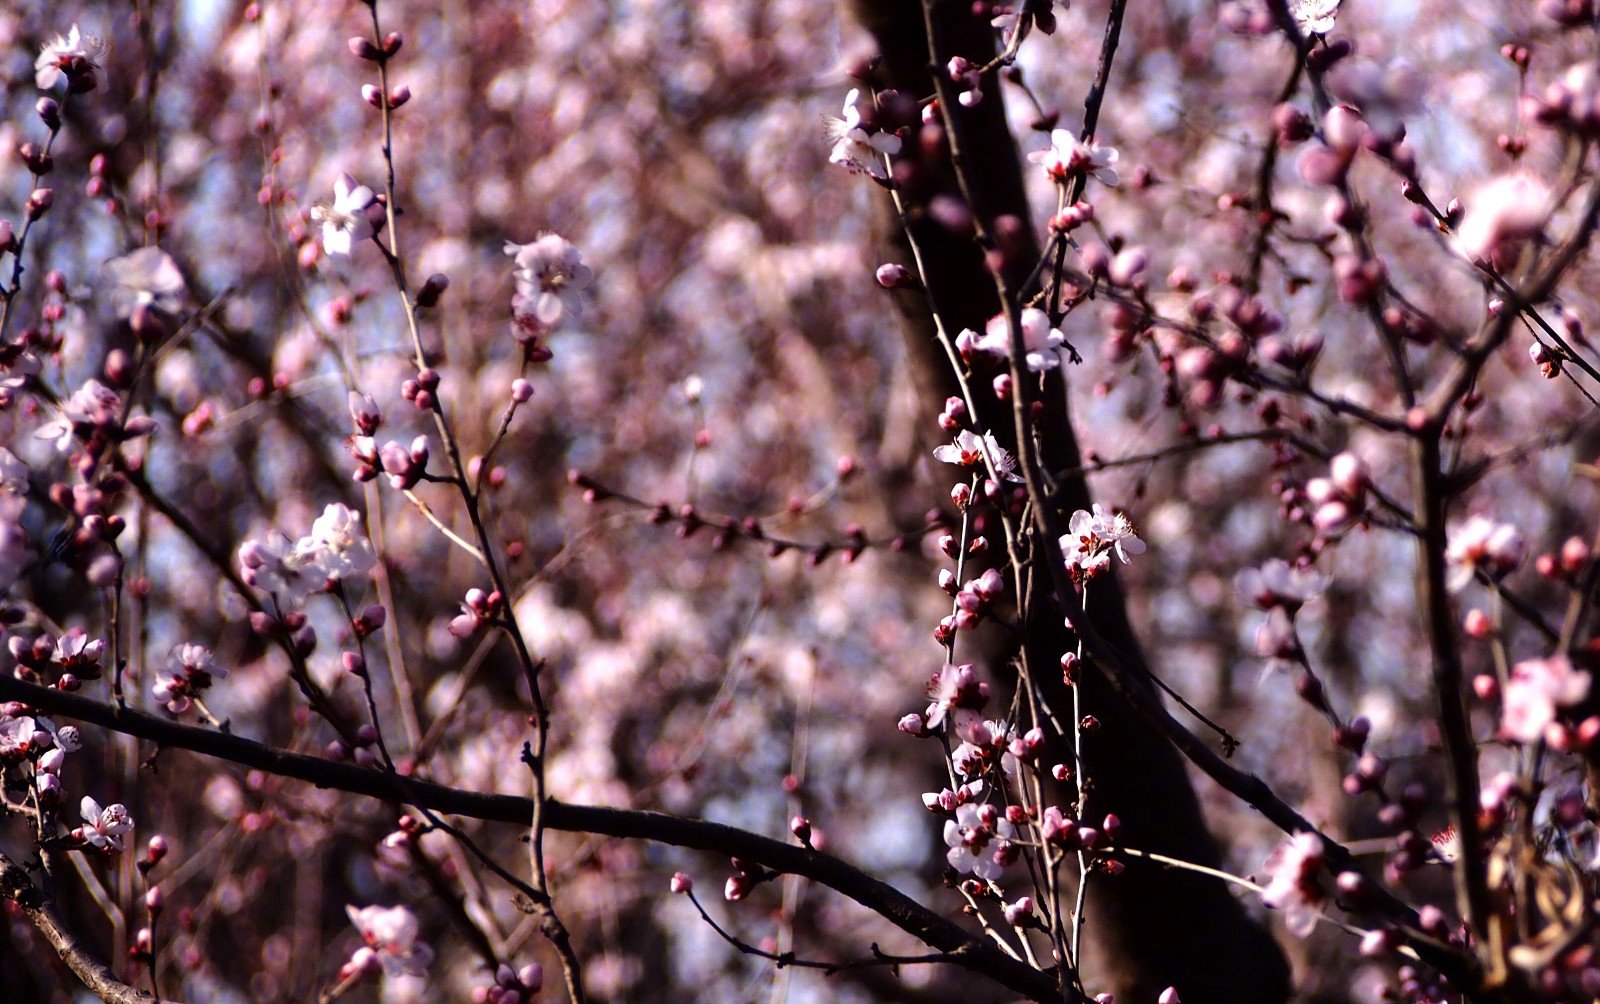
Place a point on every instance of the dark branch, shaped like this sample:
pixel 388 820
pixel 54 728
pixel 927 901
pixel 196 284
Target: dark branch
pixel 904 912
pixel 17 887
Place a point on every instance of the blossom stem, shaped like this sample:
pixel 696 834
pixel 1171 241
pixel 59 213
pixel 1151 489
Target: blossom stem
pixel 542 904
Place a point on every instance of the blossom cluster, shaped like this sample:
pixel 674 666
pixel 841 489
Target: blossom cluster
pixel 336 549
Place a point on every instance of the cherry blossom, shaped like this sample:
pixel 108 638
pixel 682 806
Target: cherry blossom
pixel 1314 17
pixel 275 565
pixel 348 219
pixel 189 671
pixel 1482 545
pixel 1279 584
pixel 65 738
pixel 66 56
pixel 1537 690
pixel 19 736
pixel 334 550
pixel 1067 155
pixel 858 147
pixel 91 406
pixel 552 280
pixel 969 450
pixel 1501 215
pixel 336 545
pixel 391 934
pixel 104 828
pixel 1092 537
pixel 1041 343
pixel 951 688
pixel 1340 499
pixel 970 836
pixel 1292 882
pixel 143 281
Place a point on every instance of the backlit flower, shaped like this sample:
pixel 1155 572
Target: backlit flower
pixel 1067 155
pixel 1091 539
pixel 66 56
pixel 858 147
pixel 1292 882
pixel 1314 17
pixel 347 220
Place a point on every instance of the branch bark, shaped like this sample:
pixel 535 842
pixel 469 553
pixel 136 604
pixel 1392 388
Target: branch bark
pixel 16 886
pixel 967 949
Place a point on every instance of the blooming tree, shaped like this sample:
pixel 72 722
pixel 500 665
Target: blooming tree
pixel 1109 515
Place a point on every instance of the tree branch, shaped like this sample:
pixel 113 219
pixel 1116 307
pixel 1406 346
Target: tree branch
pixel 904 912
pixel 16 886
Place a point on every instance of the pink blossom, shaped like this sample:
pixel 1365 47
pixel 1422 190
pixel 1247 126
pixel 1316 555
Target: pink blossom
pixel 1068 155
pixel 19 736
pixel 1505 212
pixel 969 837
pixel 1278 584
pixel 1481 544
pixel 104 828
pixel 552 280
pixel 391 932
pixel 1292 884
pixel 859 147
pixel 951 688
pixel 1040 342
pixel 1536 691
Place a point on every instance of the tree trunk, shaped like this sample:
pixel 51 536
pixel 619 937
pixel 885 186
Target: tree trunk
pixel 1149 928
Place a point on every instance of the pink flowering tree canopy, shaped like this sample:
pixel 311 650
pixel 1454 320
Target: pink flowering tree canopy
pixel 1081 503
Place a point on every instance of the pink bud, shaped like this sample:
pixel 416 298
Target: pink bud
pixel 893 275
pixel 682 883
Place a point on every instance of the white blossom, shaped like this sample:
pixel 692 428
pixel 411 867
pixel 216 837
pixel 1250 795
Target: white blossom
pixel 1092 537
pixel 856 148
pixel 1315 17
pixel 969 450
pixel 143 280
pixel 347 220
pixel 336 544
pixel 969 842
pixel 104 827
pixel 552 280
pixel 1068 155
pixel 392 932
pixel 60 52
